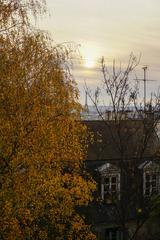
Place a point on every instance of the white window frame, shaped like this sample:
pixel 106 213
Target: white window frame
pixel 150 173
pixel 117 190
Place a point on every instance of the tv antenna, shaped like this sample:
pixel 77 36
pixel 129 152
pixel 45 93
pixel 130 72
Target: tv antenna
pixel 145 80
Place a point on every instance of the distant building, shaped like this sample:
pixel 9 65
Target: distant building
pixel 107 113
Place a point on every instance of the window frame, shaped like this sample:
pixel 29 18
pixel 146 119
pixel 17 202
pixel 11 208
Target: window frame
pixel 109 234
pixel 110 184
pixel 151 173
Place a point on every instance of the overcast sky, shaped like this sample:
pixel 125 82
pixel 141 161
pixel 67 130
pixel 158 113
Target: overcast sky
pixel 109 28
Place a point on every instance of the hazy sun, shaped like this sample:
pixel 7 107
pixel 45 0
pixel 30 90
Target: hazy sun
pixel 89 63
pixel 89 55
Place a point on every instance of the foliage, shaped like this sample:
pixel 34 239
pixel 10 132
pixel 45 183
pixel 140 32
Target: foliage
pixel 17 13
pixel 42 143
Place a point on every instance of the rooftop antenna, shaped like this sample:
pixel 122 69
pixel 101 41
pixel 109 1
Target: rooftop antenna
pixel 145 80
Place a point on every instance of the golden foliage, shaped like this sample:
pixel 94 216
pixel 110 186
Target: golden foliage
pixel 15 13
pixel 42 142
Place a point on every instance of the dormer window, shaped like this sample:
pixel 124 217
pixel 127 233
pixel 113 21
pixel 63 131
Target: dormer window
pixel 110 186
pixel 110 182
pixel 151 183
pixel 151 178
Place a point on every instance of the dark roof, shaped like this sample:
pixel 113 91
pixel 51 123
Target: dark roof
pixel 126 139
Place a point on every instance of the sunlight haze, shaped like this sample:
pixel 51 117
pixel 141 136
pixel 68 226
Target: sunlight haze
pixel 112 29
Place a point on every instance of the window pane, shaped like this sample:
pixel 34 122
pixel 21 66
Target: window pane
pixel 106 180
pixel 147 184
pixel 106 187
pixel 153 184
pixel 113 187
pixel 107 235
pixel 114 235
pixel 114 179
pixel 111 234
pixel 154 177
pixel 106 195
pixel 154 190
pixel 147 177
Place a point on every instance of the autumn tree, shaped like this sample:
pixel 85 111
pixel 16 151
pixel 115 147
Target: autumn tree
pixel 42 142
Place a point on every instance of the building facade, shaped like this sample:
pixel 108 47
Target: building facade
pixel 123 161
